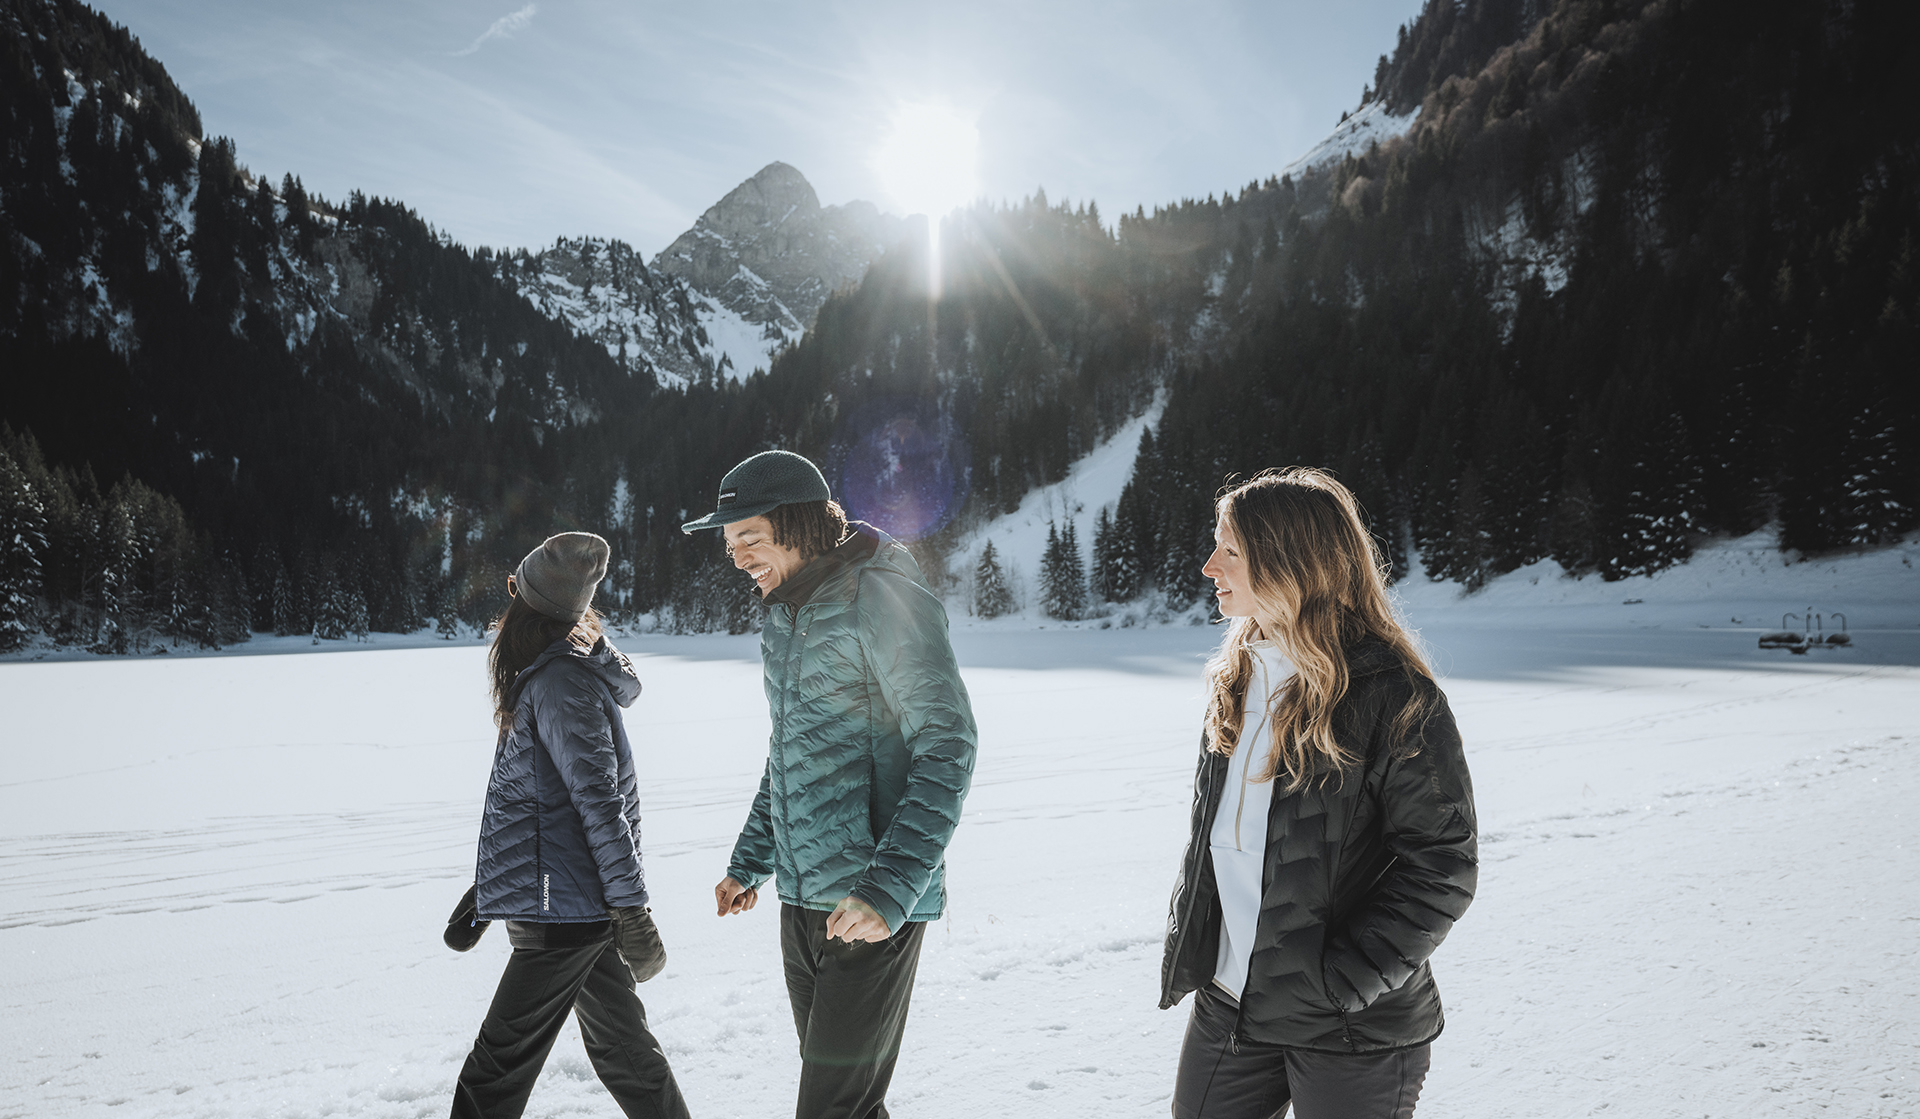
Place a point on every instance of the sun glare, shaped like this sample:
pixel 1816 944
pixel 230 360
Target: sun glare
pixel 927 162
pixel 926 159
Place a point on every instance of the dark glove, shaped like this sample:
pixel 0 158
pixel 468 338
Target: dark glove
pixel 638 940
pixel 465 927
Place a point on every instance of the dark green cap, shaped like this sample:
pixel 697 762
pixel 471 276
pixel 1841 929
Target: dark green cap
pixel 758 485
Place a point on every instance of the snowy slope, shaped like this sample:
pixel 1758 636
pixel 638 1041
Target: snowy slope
pixel 1371 125
pixel 1020 537
pixel 1745 583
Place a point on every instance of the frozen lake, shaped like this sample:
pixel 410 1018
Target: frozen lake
pixel 225 877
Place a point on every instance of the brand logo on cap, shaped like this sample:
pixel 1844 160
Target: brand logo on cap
pixel 727 496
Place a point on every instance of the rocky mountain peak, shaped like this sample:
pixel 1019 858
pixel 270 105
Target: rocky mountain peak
pixel 770 253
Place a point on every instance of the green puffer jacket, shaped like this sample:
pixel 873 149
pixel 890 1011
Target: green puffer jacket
pixel 873 737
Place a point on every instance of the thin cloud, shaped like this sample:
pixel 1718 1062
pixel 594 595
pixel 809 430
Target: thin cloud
pixel 502 28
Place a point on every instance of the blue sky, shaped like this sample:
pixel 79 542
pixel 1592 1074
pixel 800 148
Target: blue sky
pixel 510 123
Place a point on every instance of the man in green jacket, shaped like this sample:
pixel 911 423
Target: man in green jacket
pixel 871 755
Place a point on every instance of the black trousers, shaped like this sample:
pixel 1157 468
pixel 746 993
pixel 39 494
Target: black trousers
pixel 850 1009
pixel 537 990
pixel 1259 1081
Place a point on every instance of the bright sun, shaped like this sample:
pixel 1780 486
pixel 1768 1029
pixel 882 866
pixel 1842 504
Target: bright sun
pixel 926 160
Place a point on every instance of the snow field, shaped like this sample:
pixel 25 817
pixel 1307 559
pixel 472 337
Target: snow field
pixel 225 879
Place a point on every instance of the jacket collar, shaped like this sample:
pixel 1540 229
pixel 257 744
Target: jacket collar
pixel 1370 657
pixel 860 546
pixel 607 664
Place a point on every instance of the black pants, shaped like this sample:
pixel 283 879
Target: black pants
pixel 850 1009
pixel 1215 1082
pixel 538 989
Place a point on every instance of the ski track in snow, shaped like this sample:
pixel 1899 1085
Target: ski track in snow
pixel 224 891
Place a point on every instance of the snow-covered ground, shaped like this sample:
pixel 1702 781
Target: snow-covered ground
pixel 225 876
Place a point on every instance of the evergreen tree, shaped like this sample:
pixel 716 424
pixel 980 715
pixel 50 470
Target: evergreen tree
pixel 991 596
pixel 1051 589
pixel 286 619
pixel 1872 495
pixel 448 623
pixel 114 571
pixel 330 617
pixel 356 612
pixel 1662 487
pixel 23 544
pixel 1131 544
pixel 1100 578
pixel 1073 572
pixel 1063 588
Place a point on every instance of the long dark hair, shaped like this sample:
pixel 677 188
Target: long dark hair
pixel 520 635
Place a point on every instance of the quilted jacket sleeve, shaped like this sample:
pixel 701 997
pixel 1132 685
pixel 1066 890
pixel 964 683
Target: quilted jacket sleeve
pixel 903 634
pixel 1428 821
pixel 570 712
pixel 752 862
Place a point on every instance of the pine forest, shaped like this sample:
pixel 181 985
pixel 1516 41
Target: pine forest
pixel 1635 275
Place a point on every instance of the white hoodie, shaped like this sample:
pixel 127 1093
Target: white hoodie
pixel 1239 836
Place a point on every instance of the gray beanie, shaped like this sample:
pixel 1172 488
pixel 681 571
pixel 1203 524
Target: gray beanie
pixel 558 578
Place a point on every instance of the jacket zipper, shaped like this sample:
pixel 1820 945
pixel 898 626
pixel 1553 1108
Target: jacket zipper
pixel 1246 768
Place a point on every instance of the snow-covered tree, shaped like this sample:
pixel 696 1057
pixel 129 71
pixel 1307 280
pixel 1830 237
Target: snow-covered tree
pixel 1125 576
pixel 285 608
pixel 356 612
pixel 1063 582
pixel 114 570
pixel 1074 571
pixel 448 623
pixel 23 543
pixel 330 616
pixel 991 595
pixel 1874 480
pixel 1664 488
pixel 1099 576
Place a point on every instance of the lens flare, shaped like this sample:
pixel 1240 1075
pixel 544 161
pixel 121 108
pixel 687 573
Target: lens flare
pixel 928 164
pixel 905 471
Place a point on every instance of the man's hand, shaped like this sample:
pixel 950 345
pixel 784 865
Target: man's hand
pixel 854 920
pixel 733 897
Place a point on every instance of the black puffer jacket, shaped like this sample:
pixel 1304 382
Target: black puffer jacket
pixel 1363 881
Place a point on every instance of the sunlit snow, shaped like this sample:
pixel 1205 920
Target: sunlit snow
pixel 1371 124
pixel 225 876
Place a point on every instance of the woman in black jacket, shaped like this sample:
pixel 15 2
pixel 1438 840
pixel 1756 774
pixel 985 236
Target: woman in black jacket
pixel 559 856
pixel 1333 841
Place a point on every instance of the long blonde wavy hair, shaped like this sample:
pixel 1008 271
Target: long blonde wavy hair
pixel 1319 584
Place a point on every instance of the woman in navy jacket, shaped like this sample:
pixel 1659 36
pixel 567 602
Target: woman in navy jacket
pixel 559 856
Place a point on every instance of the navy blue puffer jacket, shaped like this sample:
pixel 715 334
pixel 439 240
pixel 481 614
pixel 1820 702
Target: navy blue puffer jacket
pixel 560 836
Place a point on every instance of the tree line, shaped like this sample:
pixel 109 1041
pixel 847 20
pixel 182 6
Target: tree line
pixel 1610 293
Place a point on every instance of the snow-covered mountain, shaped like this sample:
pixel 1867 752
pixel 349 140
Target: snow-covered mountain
pixel 651 323
pixel 747 279
pixel 768 254
pixel 1374 123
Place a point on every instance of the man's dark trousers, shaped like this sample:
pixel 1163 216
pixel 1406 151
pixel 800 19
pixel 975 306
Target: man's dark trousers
pixel 850 1009
pixel 537 990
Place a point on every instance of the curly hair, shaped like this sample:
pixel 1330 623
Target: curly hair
pixel 811 528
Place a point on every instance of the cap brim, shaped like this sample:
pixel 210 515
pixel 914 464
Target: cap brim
pixel 720 518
